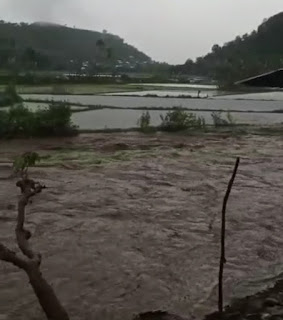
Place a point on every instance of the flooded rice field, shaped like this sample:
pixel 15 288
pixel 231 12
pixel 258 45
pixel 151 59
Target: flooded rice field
pixel 140 231
pixel 166 93
pixel 124 119
pixel 136 102
pixel 108 118
pixel 272 95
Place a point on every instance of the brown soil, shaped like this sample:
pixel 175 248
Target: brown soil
pixel 141 232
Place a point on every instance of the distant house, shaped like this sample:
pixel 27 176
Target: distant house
pixel 273 79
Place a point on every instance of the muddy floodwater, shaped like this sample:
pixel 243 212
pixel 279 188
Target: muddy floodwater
pixel 139 229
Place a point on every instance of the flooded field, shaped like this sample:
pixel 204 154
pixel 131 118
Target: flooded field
pixel 134 102
pixel 167 93
pixel 139 229
pixel 124 119
pixel 109 118
pixel 273 95
pixel 189 86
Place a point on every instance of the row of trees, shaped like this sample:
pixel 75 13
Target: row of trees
pixel 247 55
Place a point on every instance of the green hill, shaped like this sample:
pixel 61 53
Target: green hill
pixel 54 47
pixel 247 55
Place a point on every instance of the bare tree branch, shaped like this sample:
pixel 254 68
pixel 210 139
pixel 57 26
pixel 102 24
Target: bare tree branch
pixel 9 256
pixel 31 262
pixel 29 189
pixel 223 229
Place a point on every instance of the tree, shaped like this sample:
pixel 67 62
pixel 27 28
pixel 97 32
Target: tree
pixel 30 261
pixel 100 43
pixel 216 48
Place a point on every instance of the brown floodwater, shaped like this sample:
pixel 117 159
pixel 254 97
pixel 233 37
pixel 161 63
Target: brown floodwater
pixel 142 233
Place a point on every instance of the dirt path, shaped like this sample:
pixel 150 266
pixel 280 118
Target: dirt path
pixel 140 231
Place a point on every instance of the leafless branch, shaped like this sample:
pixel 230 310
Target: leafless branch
pixel 28 189
pixel 223 229
pixel 10 256
pixel 30 263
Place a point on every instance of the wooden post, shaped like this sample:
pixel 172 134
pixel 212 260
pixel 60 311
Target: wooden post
pixel 223 229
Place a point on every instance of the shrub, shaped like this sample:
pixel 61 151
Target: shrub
pixel 54 121
pixel 178 120
pixel 22 163
pixel 19 121
pixel 219 121
pixel 9 96
pixel 144 122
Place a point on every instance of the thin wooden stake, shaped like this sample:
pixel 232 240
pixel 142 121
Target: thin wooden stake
pixel 223 229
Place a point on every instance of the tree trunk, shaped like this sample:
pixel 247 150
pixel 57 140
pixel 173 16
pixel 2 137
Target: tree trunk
pixel 30 263
pixel 45 294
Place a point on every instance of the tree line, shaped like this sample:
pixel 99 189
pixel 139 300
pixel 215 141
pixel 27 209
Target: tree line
pixel 248 55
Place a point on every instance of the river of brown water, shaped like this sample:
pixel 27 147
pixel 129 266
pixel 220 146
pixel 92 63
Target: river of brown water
pixel 143 234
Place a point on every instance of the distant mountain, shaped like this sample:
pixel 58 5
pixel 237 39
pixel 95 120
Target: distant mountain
pixel 44 45
pixel 247 55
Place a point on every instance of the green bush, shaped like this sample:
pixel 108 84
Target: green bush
pixel 9 96
pixel 22 163
pixel 19 121
pixel 144 122
pixel 178 120
pixel 219 121
pixel 54 121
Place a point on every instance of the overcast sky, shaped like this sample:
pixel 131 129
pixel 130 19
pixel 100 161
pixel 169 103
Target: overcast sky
pixel 167 30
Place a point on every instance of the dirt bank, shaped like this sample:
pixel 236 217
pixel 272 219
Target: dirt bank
pixel 131 223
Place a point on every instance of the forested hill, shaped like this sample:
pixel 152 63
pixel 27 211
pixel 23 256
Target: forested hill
pixel 51 46
pixel 247 55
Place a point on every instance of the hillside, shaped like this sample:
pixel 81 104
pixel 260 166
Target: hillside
pixel 51 46
pixel 247 55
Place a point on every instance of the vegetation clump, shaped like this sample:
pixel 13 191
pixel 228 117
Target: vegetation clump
pixel 179 120
pixel 220 121
pixel 144 123
pixel 9 96
pixel 22 162
pixel 19 121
